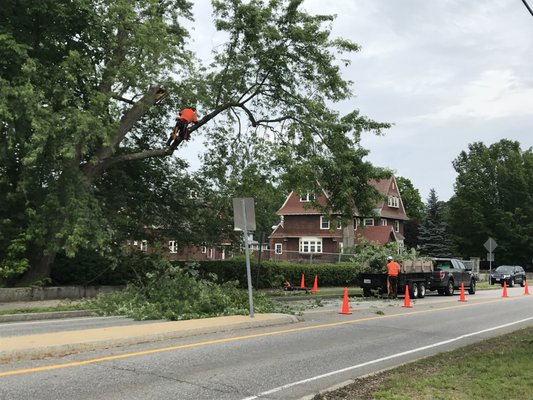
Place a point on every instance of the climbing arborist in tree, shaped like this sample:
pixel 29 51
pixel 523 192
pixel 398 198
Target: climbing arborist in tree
pixel 180 132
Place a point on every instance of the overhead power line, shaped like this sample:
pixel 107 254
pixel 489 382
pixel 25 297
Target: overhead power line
pixel 528 7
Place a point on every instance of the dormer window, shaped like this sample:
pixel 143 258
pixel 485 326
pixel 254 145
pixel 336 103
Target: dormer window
pixel 394 202
pixel 307 198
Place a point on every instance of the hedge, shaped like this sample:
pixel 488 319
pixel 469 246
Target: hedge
pixel 96 270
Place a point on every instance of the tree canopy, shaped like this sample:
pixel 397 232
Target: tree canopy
pixel 87 89
pixel 414 208
pixel 493 198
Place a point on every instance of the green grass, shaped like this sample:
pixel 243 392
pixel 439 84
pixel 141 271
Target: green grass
pixel 495 369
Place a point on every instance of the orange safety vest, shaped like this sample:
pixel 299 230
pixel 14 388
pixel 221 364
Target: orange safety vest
pixel 393 268
pixel 188 115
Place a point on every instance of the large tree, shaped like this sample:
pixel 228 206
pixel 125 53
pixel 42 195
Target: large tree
pixel 494 198
pixel 434 237
pixel 414 208
pixel 87 87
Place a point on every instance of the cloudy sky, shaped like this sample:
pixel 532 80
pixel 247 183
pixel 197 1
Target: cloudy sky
pixel 447 73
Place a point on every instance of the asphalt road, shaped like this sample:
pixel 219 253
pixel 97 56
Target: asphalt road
pixel 288 362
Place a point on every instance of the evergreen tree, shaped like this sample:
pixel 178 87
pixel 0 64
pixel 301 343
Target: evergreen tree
pixel 433 238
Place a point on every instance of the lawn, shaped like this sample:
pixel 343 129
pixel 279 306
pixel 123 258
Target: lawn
pixel 494 369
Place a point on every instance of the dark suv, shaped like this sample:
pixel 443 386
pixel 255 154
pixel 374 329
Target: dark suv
pixel 448 274
pixel 508 273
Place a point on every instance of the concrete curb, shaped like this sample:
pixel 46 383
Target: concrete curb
pixel 46 315
pixel 81 340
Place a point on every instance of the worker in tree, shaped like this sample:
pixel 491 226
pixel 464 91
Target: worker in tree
pixel 180 132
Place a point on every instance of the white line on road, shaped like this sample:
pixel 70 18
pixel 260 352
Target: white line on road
pixel 392 356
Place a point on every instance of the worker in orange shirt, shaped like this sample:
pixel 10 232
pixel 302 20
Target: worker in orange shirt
pixel 180 132
pixel 393 269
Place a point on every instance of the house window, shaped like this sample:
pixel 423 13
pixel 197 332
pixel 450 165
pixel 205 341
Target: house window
pixel 310 245
pixel 173 246
pixel 368 222
pixel 339 223
pixel 341 247
pixel 356 223
pixel 383 222
pixel 307 197
pixel 396 225
pixel 278 248
pixel 203 250
pixel 324 222
pixel 211 253
pixel 394 202
pixel 144 245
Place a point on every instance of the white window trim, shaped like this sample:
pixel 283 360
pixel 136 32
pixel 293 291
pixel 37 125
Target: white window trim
pixel 394 202
pixel 310 245
pixel 383 222
pixel 396 225
pixel 339 223
pixel 323 220
pixel 278 248
pixel 172 246
pixel 366 222
pixel 307 198
pixel 144 245
pixel 203 249
pixel 210 253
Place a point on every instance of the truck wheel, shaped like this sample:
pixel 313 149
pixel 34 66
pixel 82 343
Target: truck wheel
pixel 421 290
pixel 511 282
pixel 413 290
pixel 523 283
pixel 367 292
pixel 449 288
pixel 440 291
pixel 472 288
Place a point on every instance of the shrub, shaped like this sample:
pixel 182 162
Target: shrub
pixel 174 293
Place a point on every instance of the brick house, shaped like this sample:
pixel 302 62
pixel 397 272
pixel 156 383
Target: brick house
pixel 305 232
pixel 173 251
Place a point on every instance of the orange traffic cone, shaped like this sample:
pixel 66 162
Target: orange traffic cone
pixel 302 282
pixel 526 290
pixel 504 289
pixel 345 307
pixel 315 285
pixel 462 297
pixel 407 299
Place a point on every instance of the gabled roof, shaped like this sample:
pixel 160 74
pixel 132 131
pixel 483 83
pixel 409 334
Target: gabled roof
pixel 293 205
pixel 389 187
pixel 386 187
pixel 380 234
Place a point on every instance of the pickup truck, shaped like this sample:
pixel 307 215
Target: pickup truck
pixel 444 275
pixel 448 274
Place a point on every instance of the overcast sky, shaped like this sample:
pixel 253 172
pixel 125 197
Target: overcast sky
pixel 447 73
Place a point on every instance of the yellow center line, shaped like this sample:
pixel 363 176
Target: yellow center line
pixel 233 339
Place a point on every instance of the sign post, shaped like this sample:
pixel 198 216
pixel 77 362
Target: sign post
pixel 490 245
pixel 244 217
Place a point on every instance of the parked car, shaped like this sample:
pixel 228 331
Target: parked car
pixel 449 274
pixel 508 273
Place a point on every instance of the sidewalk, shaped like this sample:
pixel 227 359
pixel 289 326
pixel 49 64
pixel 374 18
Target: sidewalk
pixel 17 348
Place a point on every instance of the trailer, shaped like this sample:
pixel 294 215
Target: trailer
pixel 416 275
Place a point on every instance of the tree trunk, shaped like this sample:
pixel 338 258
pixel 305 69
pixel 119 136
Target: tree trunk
pixel 40 268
